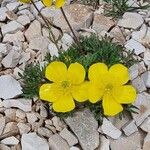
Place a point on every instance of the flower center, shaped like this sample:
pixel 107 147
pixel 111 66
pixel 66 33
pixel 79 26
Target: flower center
pixel 108 88
pixel 65 84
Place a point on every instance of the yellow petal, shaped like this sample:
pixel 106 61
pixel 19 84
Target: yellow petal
pixel 97 72
pixel 50 92
pixel 124 94
pixel 56 71
pixel 47 3
pixel 25 1
pixel 110 106
pixel 59 3
pixel 76 73
pixel 79 92
pixel 95 92
pixel 119 74
pixel 64 104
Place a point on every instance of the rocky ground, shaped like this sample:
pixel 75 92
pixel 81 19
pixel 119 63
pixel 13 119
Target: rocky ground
pixel 25 124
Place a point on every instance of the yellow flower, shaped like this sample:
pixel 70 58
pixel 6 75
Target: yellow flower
pixel 68 84
pixel 108 85
pixel 25 1
pixel 58 3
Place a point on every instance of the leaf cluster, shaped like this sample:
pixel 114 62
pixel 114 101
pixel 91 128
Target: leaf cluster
pixel 33 77
pixel 91 50
pixel 119 7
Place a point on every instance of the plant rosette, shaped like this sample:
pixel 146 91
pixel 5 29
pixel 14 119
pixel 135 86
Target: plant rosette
pixel 84 77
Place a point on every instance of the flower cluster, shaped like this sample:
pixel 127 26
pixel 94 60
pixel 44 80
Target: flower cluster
pixel 103 84
pixel 48 3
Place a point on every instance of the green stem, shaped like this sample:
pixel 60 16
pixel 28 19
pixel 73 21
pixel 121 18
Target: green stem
pixel 48 24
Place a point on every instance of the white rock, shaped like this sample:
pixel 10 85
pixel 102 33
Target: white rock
pixel 10 141
pixel 131 20
pixel 57 143
pixel 20 114
pixel 2 124
pixel 4 147
pixel 74 148
pixel 146 142
pixel 23 19
pixel 23 128
pixel 109 129
pixel 10 87
pixel 56 123
pixel 138 83
pixel 139 35
pixel 10 114
pixel 16 73
pixel 133 71
pixel 43 112
pixel 24 57
pixel 5 48
pixel 28 13
pixel 45 132
pixel 130 128
pixel 13 6
pixel 145 126
pixel 132 142
pixel 32 141
pixel 33 31
pixel 10 126
pixel 11 27
pixel 12 59
pixel 67 41
pixel 18 36
pixel 135 46
pixel 141 67
pixel 146 78
pixel 143 103
pixel 40 43
pixel 53 50
pixel 21 103
pixel 39 5
pixel 69 137
pixel 31 117
pixel 3 13
pixel 147 57
pixel 105 143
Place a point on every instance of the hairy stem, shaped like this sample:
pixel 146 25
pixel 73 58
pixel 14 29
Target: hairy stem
pixel 65 17
pixel 48 24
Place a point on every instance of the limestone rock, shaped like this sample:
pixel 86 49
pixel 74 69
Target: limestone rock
pixel 23 128
pixel 130 128
pixel 12 59
pixel 131 20
pixel 104 143
pixel 45 132
pixel 10 141
pixel 3 13
pixel 79 16
pixel 53 50
pixel 11 27
pixel 133 71
pixel 32 141
pixel 109 129
pixel 31 117
pixel 57 143
pixel 69 137
pixel 13 6
pixel 102 22
pixel 21 103
pixel 10 87
pixel 5 48
pixel 4 147
pixel 132 142
pixel 143 103
pixel 39 43
pixel 2 124
pixel 138 83
pixel 135 46
pixel 84 125
pixel 147 57
pixel 23 19
pixel 145 126
pixel 33 31
pixel 146 145
pixel 146 78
